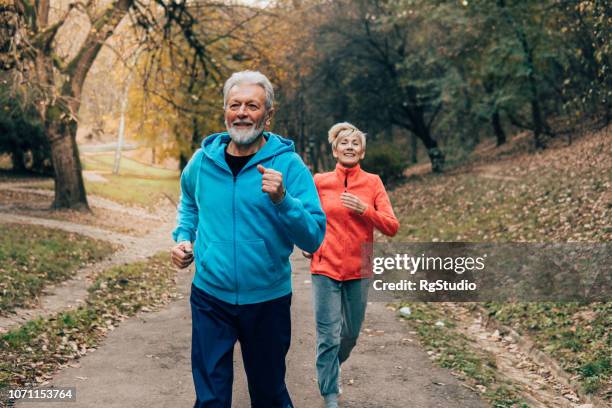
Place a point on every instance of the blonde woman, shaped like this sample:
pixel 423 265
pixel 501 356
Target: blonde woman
pixel 355 202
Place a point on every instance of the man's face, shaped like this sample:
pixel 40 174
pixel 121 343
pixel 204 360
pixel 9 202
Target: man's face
pixel 245 113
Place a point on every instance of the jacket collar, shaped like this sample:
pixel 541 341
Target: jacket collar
pixel 343 171
pixel 345 174
pixel 214 147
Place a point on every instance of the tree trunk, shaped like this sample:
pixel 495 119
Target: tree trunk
pixel 498 129
pixel 183 160
pixel 537 124
pixel 414 153
pixel 423 132
pixel 60 125
pixel 17 158
pixel 69 186
pixel 539 121
pixel 313 157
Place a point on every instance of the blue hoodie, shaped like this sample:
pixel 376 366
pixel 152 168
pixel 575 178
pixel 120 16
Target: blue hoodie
pixel 242 239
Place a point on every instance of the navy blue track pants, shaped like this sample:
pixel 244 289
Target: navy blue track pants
pixel 264 332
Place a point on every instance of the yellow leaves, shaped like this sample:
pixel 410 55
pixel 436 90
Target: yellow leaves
pixel 585 6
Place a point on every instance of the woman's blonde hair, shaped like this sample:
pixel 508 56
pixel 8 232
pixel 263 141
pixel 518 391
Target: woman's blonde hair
pixel 342 129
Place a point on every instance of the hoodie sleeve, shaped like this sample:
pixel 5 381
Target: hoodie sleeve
pixel 300 211
pixel 381 213
pixel 187 211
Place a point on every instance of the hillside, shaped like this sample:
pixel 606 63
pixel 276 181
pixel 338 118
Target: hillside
pixel 513 194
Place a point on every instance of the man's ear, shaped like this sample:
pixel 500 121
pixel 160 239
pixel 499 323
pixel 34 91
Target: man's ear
pixel 334 152
pixel 269 116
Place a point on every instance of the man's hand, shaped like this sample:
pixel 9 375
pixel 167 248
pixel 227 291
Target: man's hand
pixel 272 183
pixel 352 202
pixel 182 254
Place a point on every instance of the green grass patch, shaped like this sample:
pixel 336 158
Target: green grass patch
pixel 128 167
pixel 32 257
pixel 453 350
pixel 578 336
pixel 30 353
pixel 134 191
pixel 136 184
pixel 141 192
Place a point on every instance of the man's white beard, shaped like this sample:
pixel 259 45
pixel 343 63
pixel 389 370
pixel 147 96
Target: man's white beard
pixel 244 136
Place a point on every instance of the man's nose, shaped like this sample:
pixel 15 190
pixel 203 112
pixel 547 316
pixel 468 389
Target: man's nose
pixel 242 111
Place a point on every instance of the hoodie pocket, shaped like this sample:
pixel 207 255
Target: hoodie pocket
pixel 255 266
pixel 217 262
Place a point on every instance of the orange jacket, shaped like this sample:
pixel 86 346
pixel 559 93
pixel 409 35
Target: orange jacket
pixel 340 254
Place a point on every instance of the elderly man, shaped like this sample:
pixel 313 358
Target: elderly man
pixel 246 199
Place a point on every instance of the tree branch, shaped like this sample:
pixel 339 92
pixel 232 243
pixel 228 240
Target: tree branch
pixel 102 28
pixel 42 12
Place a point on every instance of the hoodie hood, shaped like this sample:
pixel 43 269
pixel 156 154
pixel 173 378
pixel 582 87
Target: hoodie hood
pixel 215 144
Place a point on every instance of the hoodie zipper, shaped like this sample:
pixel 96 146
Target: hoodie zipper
pixel 234 231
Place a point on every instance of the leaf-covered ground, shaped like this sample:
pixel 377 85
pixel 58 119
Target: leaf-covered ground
pixel 31 353
pixel 32 257
pixel 561 194
pixel 39 206
pixel 558 195
pixel 454 350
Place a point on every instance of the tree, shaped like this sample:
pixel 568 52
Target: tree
pixel 370 66
pixel 21 133
pixel 175 100
pixel 29 47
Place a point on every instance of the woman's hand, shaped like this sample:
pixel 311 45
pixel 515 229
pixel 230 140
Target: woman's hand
pixel 352 202
pixel 307 254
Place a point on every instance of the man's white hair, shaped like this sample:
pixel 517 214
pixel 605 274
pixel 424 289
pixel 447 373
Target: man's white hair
pixel 249 78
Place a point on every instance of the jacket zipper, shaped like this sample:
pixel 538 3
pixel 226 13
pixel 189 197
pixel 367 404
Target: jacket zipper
pixel 234 231
pixel 345 190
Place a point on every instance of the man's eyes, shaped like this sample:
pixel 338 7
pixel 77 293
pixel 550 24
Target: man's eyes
pixel 251 106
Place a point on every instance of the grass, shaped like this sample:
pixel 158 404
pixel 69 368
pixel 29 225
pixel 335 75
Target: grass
pixel 579 336
pixel 560 195
pixel 453 350
pixel 136 185
pixel 143 192
pixel 128 167
pixel 32 352
pixel 32 257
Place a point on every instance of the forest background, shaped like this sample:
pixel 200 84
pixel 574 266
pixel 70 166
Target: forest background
pixel 488 120
pixel 427 80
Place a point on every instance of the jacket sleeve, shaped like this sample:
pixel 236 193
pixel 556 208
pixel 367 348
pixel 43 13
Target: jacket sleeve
pixel 381 213
pixel 187 211
pixel 300 211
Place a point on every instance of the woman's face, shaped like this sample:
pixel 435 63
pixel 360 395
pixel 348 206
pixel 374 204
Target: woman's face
pixel 349 150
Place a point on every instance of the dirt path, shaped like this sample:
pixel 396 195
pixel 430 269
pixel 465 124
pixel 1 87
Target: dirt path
pixel 70 293
pixel 145 362
pixel 539 385
pixel 94 201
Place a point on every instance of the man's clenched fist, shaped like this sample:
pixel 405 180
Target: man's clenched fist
pixel 272 183
pixel 182 254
